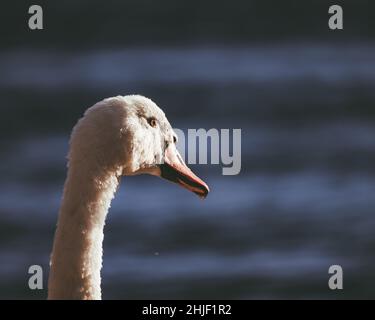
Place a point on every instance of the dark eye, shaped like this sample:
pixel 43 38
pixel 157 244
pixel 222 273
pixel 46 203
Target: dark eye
pixel 152 122
pixel 174 139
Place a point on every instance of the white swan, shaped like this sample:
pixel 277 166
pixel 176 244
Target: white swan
pixel 118 136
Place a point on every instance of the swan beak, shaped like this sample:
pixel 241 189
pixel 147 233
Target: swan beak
pixel 174 169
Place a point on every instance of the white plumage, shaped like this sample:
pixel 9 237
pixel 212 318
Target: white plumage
pixel 124 135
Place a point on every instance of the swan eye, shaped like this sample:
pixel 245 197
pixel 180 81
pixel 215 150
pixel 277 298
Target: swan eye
pixel 152 122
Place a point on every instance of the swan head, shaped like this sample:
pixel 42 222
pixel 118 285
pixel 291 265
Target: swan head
pixel 131 135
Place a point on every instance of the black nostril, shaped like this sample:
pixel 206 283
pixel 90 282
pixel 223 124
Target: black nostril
pixel 174 139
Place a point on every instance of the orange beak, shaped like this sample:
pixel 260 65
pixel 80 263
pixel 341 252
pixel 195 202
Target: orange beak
pixel 174 169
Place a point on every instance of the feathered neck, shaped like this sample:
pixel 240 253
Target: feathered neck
pixel 77 250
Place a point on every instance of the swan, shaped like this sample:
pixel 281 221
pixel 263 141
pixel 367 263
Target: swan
pixel 118 136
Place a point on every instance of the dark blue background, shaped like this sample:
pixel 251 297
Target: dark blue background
pixel 303 96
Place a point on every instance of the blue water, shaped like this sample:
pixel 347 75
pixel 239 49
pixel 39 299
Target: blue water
pixel 304 199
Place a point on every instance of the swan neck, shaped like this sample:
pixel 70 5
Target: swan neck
pixel 77 252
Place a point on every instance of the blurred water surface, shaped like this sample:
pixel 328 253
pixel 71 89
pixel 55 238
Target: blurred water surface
pixel 303 201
